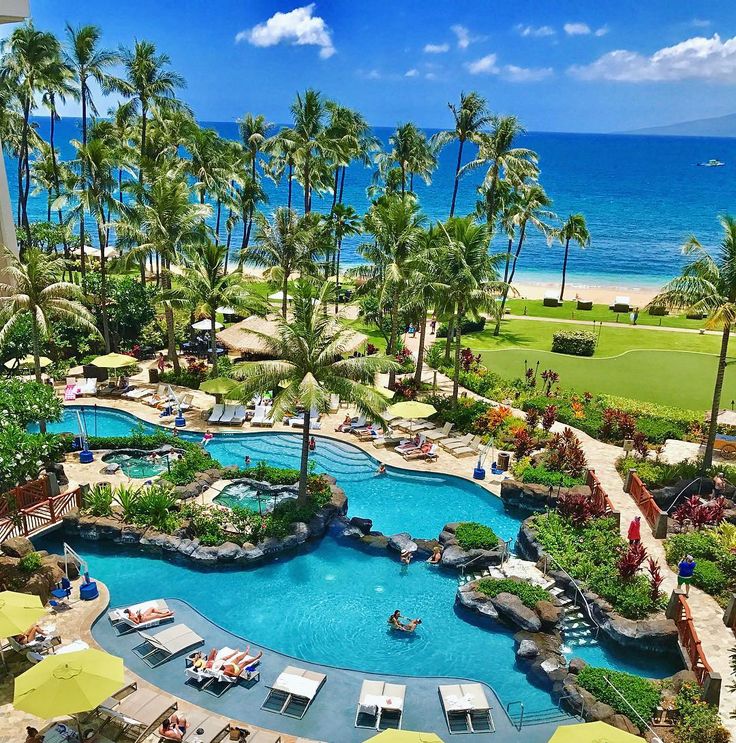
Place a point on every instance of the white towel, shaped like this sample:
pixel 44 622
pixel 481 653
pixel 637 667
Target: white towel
pixel 458 704
pixel 297 685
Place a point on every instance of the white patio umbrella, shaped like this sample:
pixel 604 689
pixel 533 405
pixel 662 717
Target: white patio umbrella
pixel 206 324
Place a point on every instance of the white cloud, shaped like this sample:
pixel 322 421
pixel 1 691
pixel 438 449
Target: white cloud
pixel 464 37
pixel 515 74
pixel 430 76
pixel 484 65
pixel 413 72
pixel 695 58
pixel 298 26
pixel 534 31
pixel 436 48
pixel 577 29
pixel 700 23
pixel 602 31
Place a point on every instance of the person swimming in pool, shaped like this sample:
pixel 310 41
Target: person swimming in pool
pixel 208 436
pixel 381 469
pixel 436 555
pixel 395 620
pixel 411 625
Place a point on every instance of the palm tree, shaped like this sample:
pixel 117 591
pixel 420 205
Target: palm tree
pixel 574 230
pixel 308 131
pixel 707 284
pixel 202 286
pixel 33 287
pixel 470 117
pixel 283 160
pixel 248 195
pixel 395 222
pixel 307 369
pixel 255 136
pixel 345 221
pixel 284 246
pixel 470 282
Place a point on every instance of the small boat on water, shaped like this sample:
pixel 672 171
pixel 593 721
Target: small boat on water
pixel 712 164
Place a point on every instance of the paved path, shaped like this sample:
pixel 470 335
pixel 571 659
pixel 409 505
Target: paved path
pixel 717 639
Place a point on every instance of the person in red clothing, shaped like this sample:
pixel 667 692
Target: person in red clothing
pixel 635 530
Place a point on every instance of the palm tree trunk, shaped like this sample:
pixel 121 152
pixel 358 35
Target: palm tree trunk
pixel 335 187
pixel 391 350
pixel 103 284
pixel 307 186
pixel 169 317
pixel 420 352
pixel 37 360
pixel 82 252
pixel 217 221
pixel 403 179
pixel 457 176
pixel 24 171
pixel 508 259
pixel 48 207
pixel 291 179
pixel 304 462
pixel 448 340
pixel 342 182
pixel 456 374
pixel 213 342
pixel 715 407
pixel 506 289
pixel 284 289
pixel 564 269
pixel 337 275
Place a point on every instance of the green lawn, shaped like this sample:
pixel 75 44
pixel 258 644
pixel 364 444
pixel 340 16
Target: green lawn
pixel 600 312
pixel 374 336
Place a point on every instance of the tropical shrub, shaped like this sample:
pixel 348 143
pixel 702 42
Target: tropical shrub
pixel 617 425
pixel 492 419
pixel 192 375
pixel 642 694
pixel 98 500
pixel 23 454
pixel 574 342
pixel 468 361
pixel 467 326
pixel 630 561
pixel 578 508
pixel 565 454
pixel 30 563
pixel 28 402
pixel 715 572
pixel 700 514
pixel 697 721
pixel 549 416
pixel 471 535
pixel 462 416
pixel 527 592
pixel 155 508
pixel 185 470
pixel 540 474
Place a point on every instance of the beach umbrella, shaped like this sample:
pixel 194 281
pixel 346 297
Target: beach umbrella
pixel 206 324
pixel 68 684
pixel 27 361
pixel 404 736
pixel 18 612
pixel 585 732
pixel 113 361
pixel 411 410
pixel 218 386
pixel 225 311
pixel 279 297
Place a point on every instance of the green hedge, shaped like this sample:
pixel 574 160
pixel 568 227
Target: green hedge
pixel 574 342
pixel 642 694
pixel 467 326
pixel 471 535
pixel 528 593
pixel 715 572
pixel 540 475
pixel 185 470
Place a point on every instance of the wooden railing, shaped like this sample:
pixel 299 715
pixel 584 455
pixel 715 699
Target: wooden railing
pixel 23 496
pixel 654 515
pixel 598 494
pixel 690 641
pixel 26 521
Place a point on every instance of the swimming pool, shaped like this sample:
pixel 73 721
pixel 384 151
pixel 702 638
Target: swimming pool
pixel 329 602
pixel 242 494
pixel 137 466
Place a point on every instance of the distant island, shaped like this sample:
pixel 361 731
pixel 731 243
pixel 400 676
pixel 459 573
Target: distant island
pixel 718 126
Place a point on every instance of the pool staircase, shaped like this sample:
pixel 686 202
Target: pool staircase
pixel 577 629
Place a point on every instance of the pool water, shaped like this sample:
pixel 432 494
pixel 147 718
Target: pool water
pixel 329 602
pixel 138 467
pixel 243 495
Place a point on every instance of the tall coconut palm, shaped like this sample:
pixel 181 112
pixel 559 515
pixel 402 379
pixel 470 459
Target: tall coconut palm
pixel 395 222
pixel 284 150
pixel 471 116
pixel 284 246
pixel 345 222
pixel 202 285
pixel 574 230
pixel 255 134
pixel 308 111
pixel 33 287
pixel 308 368
pixel 707 284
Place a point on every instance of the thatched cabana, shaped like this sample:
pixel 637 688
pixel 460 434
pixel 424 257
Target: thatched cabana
pixel 241 337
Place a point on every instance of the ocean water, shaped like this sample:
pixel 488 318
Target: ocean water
pixel 642 197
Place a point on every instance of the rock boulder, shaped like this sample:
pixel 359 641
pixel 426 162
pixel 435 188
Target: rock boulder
pixel 513 610
pixel 401 542
pixel 527 649
pixel 16 547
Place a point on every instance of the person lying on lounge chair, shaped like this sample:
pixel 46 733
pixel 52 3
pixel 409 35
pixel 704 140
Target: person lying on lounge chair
pixel 173 728
pixel 32 634
pixel 141 617
pixel 233 664
pixel 346 425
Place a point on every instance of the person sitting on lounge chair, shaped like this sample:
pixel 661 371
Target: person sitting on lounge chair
pixel 32 634
pixel 173 728
pixel 141 617
pixel 346 425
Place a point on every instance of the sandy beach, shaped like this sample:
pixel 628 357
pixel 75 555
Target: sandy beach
pixel 600 294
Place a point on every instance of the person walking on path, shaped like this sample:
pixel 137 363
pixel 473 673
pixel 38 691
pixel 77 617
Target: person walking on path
pixel 719 485
pixel 161 363
pixel 634 534
pixel 685 572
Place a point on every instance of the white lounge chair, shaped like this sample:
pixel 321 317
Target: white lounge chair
pixel 334 403
pixel 120 617
pixel 239 415
pixel 186 402
pixel 89 386
pixel 466 708
pixel 159 396
pixel 206 727
pixel 380 705
pixel 137 393
pixel 214 680
pixel 227 415
pixel 262 416
pixel 293 691
pixel 216 414
pixel 167 644
pixel 439 434
pixel 456 443
pixel 139 709
pixel 621 304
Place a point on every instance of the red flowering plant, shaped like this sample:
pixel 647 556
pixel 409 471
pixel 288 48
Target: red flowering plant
pixel 469 362
pixel 550 378
pixel 549 416
pixel 578 508
pixel 630 561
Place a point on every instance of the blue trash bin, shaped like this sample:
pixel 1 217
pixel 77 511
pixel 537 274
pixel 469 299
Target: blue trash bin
pixel 88 591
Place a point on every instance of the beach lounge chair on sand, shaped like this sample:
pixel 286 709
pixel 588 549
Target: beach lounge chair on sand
pixel 227 415
pixel 120 619
pixel 466 708
pixel 621 304
pixel 167 644
pixel 293 691
pixel 457 442
pixel 380 705
pixel 551 299
pixel 439 434
pixel 138 710
pixel 216 414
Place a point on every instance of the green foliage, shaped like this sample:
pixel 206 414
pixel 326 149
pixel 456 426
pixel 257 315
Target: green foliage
pixel 263 472
pixel 528 593
pixel 709 577
pixel 468 325
pixel 642 694
pixel 137 439
pixel 715 572
pixel 541 475
pixel 154 508
pixel 697 721
pixel 590 554
pixel 463 415
pixel 23 454
pixel 30 563
pixel 574 342
pixel 184 471
pixel 471 535
pixel 98 500
pixel 23 403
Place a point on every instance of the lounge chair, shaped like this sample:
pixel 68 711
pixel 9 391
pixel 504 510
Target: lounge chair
pixel 37 646
pixel 416 426
pixel 255 736
pixel 380 705
pixel 206 727
pixel 137 393
pixel 71 390
pixel 585 304
pixel 120 619
pixel 159 396
pixel 439 434
pixel 456 443
pixel 427 451
pixel 214 680
pixel 216 414
pixel 186 402
pixel 89 386
pixel 167 644
pixel 372 432
pixel 551 299
pixel 466 451
pixel 227 415
pixel 293 691
pixel 334 403
pixel 141 709
pixel 466 708
pixel 406 446
pixel 621 304
pixel 239 415
pixel 262 416
pixel 356 424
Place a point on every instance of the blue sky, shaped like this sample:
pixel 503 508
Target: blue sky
pixel 557 64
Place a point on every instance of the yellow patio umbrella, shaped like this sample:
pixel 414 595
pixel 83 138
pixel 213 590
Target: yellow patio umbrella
pixel 18 612
pixel 68 684
pixel 411 410
pixel 404 736
pixel 218 386
pixel 114 361
pixel 592 732
pixel 27 361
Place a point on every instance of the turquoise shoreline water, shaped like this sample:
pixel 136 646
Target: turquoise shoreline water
pixel 328 602
pixel 642 196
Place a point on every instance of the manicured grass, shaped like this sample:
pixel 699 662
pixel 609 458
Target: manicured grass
pixel 374 336
pixel 600 312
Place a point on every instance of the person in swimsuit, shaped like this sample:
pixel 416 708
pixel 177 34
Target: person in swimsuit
pixel 436 555
pixel 411 625
pixel 139 617
pixel 208 436
pixel 174 728
pixel 31 635
pixel 395 620
pixel 381 469
pixel 234 663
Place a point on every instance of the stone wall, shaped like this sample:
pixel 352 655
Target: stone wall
pixel 534 498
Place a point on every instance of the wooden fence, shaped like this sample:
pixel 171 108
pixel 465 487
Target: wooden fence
pixel 690 641
pixel 655 516
pixel 598 494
